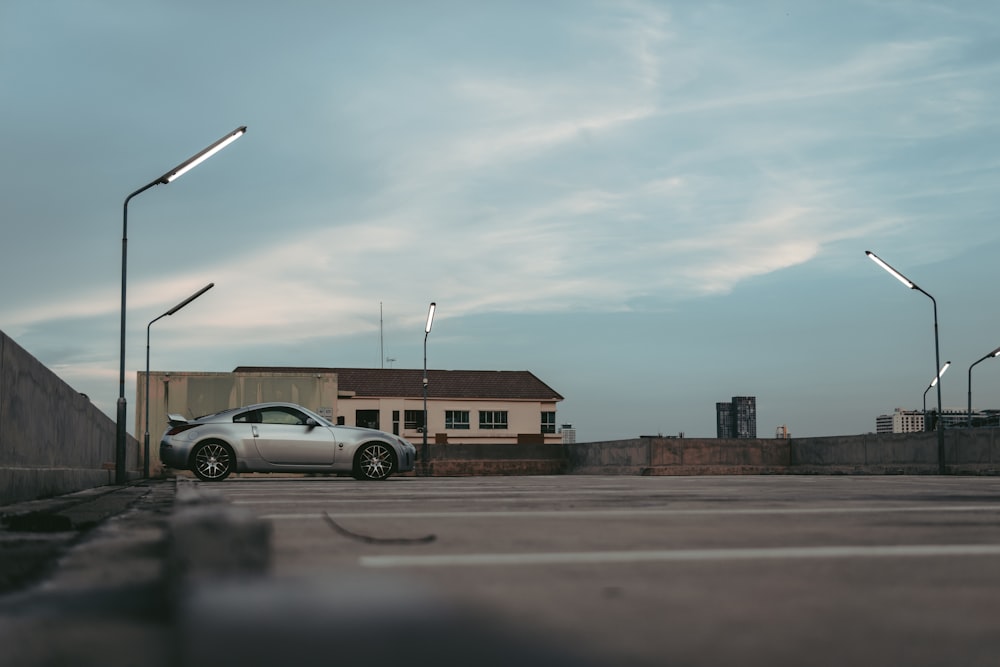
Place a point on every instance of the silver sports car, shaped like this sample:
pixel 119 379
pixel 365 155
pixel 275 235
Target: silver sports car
pixel 280 437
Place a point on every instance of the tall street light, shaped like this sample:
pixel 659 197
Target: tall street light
pixel 933 382
pixel 145 448
pixel 427 330
pixel 170 176
pixel 937 349
pixel 994 353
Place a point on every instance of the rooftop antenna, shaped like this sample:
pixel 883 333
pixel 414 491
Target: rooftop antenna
pixel 381 345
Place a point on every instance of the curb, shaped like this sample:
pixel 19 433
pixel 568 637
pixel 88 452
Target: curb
pixel 209 541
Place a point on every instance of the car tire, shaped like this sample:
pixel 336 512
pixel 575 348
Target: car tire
pixel 375 461
pixel 212 461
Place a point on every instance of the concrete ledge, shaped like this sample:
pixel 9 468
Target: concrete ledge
pixel 493 467
pixel 209 540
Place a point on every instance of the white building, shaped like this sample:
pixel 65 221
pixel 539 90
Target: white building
pixel 900 421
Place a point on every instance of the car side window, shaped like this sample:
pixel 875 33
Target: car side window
pixel 248 417
pixel 287 416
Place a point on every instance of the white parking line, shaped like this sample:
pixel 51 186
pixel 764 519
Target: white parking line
pixel 589 514
pixel 682 555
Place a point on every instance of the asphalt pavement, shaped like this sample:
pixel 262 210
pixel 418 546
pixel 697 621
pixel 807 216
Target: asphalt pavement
pixel 426 571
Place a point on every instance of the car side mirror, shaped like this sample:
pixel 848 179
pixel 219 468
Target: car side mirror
pixel 311 423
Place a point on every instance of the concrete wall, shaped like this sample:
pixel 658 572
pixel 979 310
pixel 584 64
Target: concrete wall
pixel 53 440
pixel 967 451
pixel 679 456
pixel 492 459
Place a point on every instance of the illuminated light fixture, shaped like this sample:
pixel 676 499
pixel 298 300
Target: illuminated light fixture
pixel 430 318
pixel 893 272
pixel 943 369
pixel 194 161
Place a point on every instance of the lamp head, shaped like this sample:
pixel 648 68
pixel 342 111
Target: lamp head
pixel 430 317
pixel 940 373
pixel 190 298
pixel 893 272
pixel 197 159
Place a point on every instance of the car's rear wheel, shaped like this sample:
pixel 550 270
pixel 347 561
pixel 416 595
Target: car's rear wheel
pixel 212 461
pixel 375 461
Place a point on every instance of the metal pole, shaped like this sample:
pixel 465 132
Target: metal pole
pixel 425 391
pixel 193 161
pixel 942 467
pixel 145 412
pixel 969 424
pixel 121 475
pixel 427 331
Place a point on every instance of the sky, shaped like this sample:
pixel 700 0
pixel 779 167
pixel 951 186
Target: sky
pixel 652 206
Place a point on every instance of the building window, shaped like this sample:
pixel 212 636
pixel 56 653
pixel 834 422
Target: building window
pixel 493 419
pixel 413 419
pixel 548 422
pixel 456 419
pixel 366 418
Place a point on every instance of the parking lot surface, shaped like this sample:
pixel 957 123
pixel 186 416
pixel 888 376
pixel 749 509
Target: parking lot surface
pixel 775 570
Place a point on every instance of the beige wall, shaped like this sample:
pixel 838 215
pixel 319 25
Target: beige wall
pixel 197 394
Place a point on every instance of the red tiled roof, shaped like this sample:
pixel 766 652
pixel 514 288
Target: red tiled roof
pixel 408 383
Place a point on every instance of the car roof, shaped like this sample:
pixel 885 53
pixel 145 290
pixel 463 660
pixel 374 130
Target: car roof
pixel 255 406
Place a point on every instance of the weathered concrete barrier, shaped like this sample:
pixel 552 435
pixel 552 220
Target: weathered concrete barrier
pixel 53 440
pixel 444 460
pixel 679 456
pixel 967 451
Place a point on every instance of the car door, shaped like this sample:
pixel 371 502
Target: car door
pixel 283 437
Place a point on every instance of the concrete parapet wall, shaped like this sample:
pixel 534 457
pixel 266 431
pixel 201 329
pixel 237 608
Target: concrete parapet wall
pixel 679 456
pixel 967 451
pixel 53 440
pixel 450 460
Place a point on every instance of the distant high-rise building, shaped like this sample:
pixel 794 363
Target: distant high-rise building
pixel 737 419
pixel 568 434
pixel 723 420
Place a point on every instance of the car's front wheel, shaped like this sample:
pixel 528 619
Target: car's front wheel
pixel 213 461
pixel 375 461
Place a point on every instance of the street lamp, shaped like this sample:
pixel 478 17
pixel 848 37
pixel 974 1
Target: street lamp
pixel 937 349
pixel 994 353
pixel 427 330
pixel 173 174
pixel 934 382
pixel 145 448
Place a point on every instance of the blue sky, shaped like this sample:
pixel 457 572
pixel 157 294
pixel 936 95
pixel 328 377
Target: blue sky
pixel 653 206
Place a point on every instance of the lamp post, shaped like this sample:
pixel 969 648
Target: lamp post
pixel 937 348
pixel 145 447
pixel 173 174
pixel 994 353
pixel 427 330
pixel 933 382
